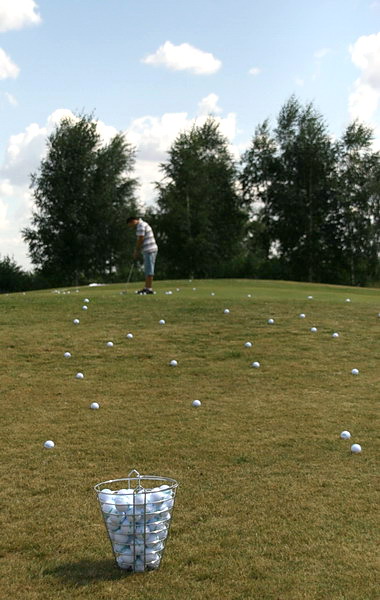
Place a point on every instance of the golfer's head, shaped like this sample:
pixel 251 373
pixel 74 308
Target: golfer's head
pixel 132 222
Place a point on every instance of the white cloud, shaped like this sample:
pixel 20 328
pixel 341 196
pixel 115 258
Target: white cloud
pixel 15 14
pixel 184 57
pixel 11 99
pixel 7 67
pixel 209 105
pixel 299 81
pixel 364 100
pixel 254 71
pixel 321 53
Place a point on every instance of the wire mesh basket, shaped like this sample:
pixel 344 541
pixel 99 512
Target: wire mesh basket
pixel 137 512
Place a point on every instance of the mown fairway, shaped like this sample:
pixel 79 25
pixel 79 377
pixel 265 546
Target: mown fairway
pixel 271 503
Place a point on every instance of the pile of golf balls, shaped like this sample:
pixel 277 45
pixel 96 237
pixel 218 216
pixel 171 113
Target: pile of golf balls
pixel 137 521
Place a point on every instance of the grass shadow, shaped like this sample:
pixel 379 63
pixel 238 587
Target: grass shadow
pixel 84 572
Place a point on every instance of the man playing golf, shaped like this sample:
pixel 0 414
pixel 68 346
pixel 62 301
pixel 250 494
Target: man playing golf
pixel 146 244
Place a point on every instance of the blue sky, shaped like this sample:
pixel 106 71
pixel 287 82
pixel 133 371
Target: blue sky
pixel 151 68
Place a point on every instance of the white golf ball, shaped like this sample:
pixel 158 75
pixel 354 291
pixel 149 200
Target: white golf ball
pixel 194 289
pixel 335 334
pixel 84 307
pixel 345 435
pixel 348 299
pixel 313 329
pixel 94 405
pixel 212 293
pixel 76 321
pixel 109 344
pixel 49 444
pixel 226 311
pixel 256 364
pixel 249 296
pixel 355 371
pixel 356 448
pixel 129 336
pixel 162 321
pixel 67 355
pixel 79 376
pixel 302 316
pixel 196 403
pixel 270 321
pixel 310 297
pixel 173 363
pixel 86 300
pixel 248 344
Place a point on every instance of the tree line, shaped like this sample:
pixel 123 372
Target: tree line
pixel 297 204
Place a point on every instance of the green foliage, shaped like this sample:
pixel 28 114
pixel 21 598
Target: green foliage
pixel 12 277
pixel 314 202
pixel 200 218
pixel 83 196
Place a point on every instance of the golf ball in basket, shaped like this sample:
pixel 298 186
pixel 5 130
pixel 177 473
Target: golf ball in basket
pixel 76 321
pixel 67 355
pixel 84 307
pixel 79 376
pixel 109 344
pixel 162 321
pixel 248 344
pixel 226 311
pixel 356 448
pixel 335 334
pixel 256 364
pixel 196 403
pixel 129 336
pixel 270 321
pixel 94 405
pixel 173 363
pixel 355 371
pixel 49 444
pixel 314 329
pixel 345 435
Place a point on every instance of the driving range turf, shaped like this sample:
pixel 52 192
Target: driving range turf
pixel 271 504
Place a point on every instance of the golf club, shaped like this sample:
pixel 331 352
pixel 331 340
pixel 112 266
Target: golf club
pixel 129 275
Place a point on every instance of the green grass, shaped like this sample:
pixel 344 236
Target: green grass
pixel 271 504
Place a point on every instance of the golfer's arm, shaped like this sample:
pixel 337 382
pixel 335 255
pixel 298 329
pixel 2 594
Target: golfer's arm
pixel 139 243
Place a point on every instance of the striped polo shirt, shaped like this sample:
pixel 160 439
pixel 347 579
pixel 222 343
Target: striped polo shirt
pixel 149 243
